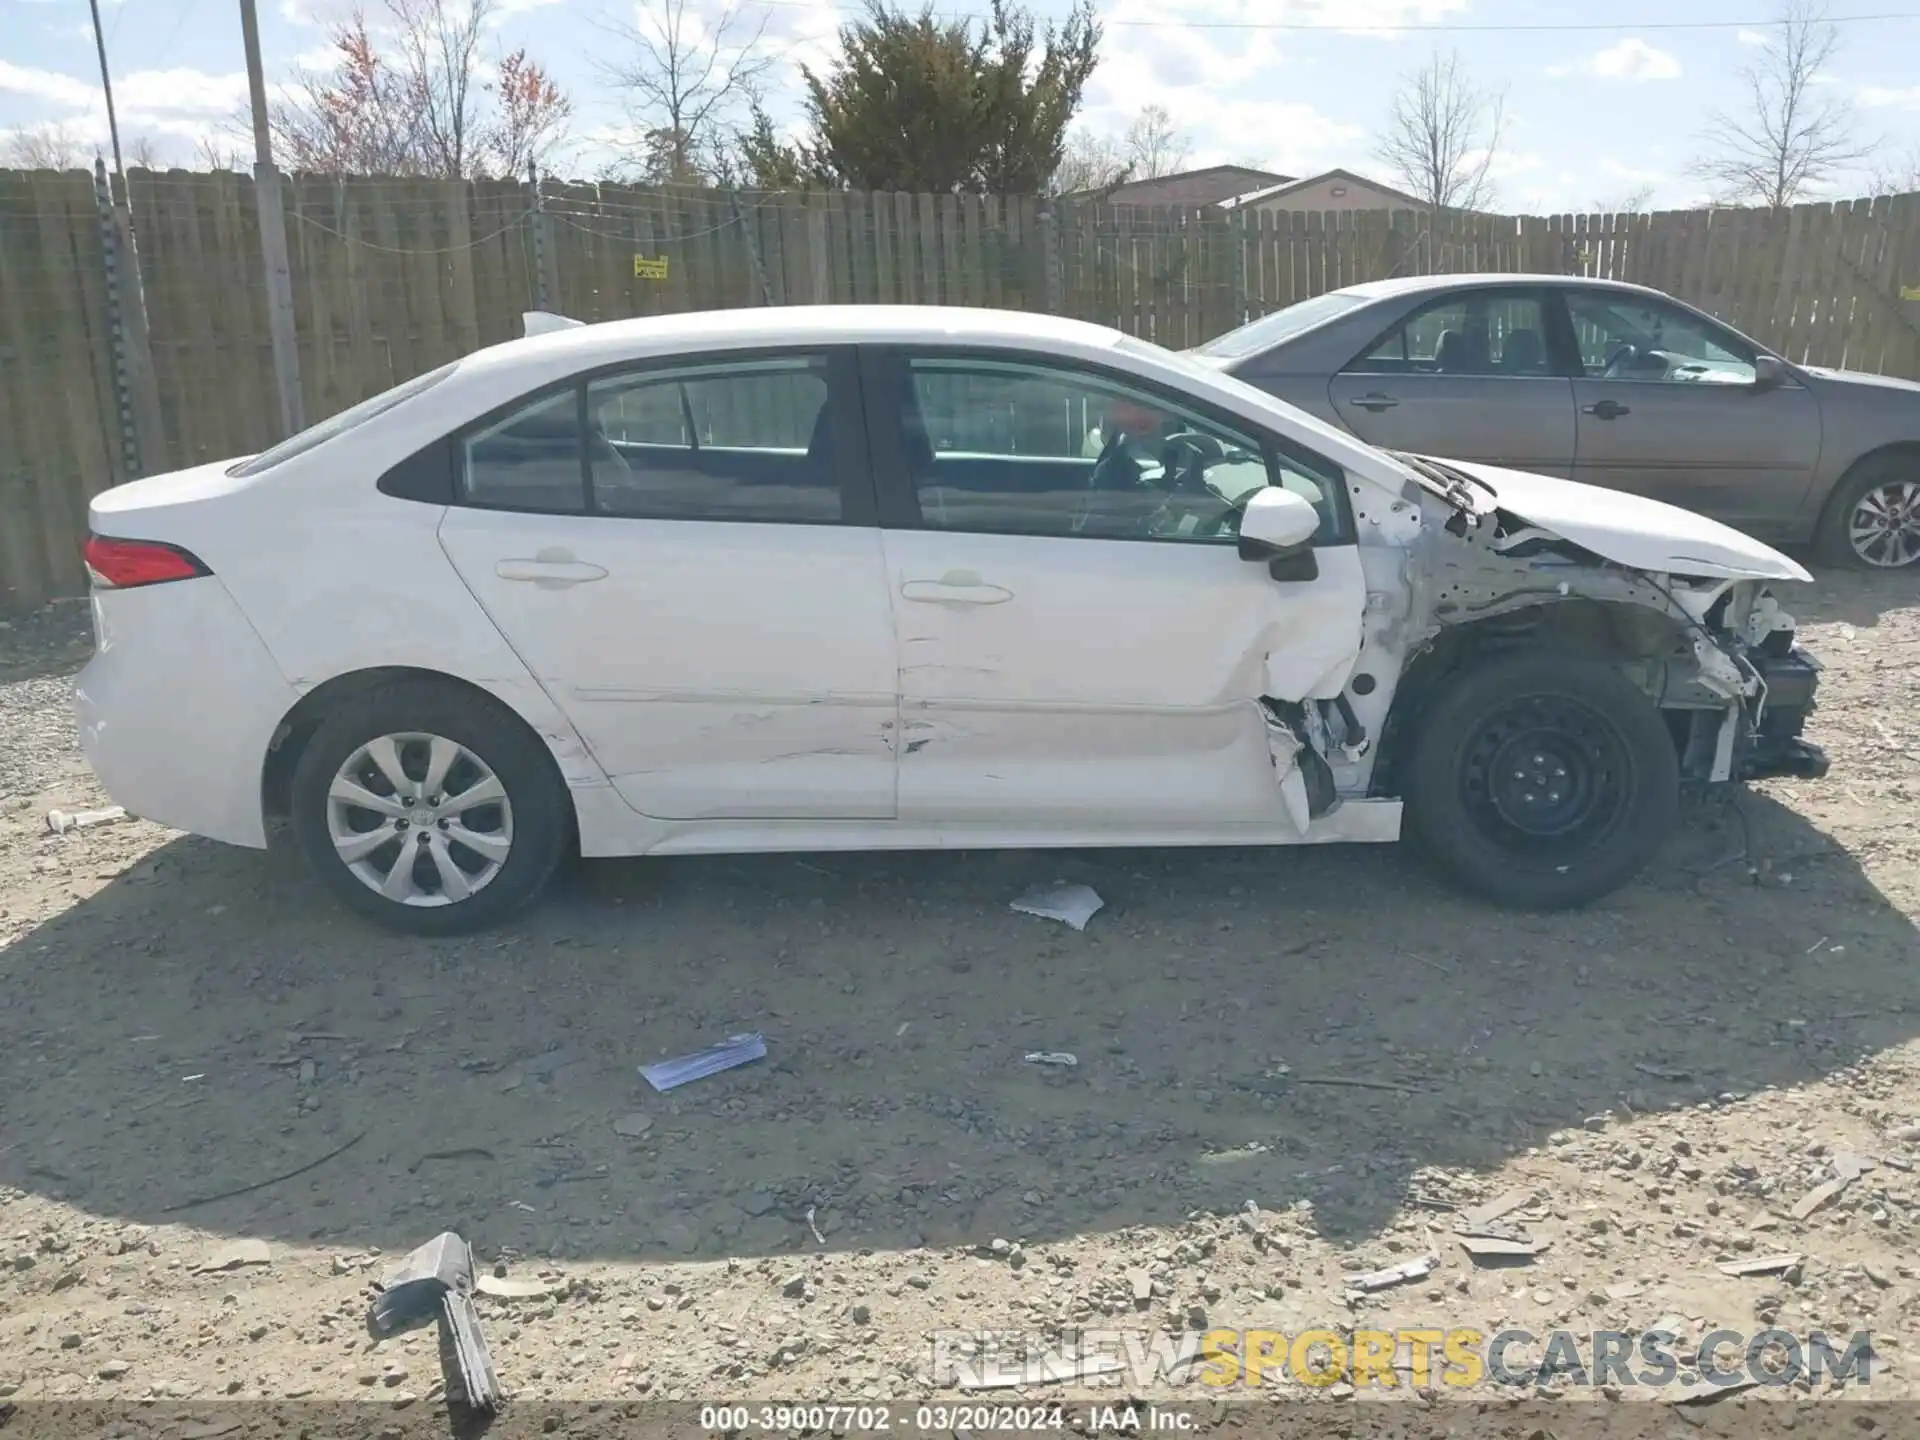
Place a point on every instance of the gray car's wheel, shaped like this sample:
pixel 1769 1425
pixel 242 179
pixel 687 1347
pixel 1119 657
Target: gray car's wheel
pixel 427 810
pixel 1872 521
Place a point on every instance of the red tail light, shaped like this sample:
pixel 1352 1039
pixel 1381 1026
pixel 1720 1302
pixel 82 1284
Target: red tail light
pixel 123 564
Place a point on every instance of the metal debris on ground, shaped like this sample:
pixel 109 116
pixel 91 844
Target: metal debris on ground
pixel 436 1282
pixel 465 1152
pixel 61 821
pixel 1489 1247
pixel 1476 1219
pixel 1847 1168
pixel 1417 1268
pixel 236 1256
pixel 1761 1265
pixel 818 1237
pixel 735 1050
pixel 1070 904
pixel 1062 1058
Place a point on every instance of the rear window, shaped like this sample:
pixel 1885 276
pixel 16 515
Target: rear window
pixel 346 420
pixel 1270 330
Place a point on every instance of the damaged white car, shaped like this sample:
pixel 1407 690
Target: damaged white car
pixel 852 578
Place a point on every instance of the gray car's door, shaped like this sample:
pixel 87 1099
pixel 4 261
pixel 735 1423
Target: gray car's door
pixel 1466 376
pixel 1667 408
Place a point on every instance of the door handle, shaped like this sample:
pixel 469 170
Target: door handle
pixel 550 574
pixel 1606 410
pixel 1374 401
pixel 954 592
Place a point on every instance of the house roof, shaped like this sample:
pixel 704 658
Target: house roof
pixel 1208 186
pixel 1275 192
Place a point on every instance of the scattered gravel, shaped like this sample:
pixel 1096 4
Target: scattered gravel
pixel 1663 1079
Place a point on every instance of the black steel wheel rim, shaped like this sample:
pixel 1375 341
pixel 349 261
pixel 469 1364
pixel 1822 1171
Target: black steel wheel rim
pixel 1546 777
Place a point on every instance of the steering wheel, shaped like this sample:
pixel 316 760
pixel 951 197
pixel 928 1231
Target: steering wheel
pixel 1197 451
pixel 1617 358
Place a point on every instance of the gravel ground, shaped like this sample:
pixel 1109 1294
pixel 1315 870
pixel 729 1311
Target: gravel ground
pixel 1293 1066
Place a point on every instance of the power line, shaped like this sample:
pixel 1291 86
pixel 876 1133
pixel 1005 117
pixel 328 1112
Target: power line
pixel 1407 27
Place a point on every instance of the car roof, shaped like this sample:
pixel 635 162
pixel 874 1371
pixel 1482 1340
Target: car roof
pixel 776 325
pixel 1439 284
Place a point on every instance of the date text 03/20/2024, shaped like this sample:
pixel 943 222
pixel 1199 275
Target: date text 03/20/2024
pixel 940 1419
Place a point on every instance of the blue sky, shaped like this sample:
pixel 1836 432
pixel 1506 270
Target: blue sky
pixel 1593 114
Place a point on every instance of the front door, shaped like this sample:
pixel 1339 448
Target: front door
pixel 1667 408
pixel 1468 376
pixel 1080 643
pixel 685 558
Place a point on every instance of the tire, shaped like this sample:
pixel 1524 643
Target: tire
pixel 1897 473
pixel 1608 791
pixel 504 851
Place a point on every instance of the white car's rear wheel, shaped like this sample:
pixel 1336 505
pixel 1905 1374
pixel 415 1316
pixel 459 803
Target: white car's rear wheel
pixel 427 809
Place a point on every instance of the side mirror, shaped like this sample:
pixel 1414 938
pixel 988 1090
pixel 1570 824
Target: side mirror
pixel 1278 526
pixel 1770 372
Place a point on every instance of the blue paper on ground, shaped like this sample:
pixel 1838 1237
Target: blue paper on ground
pixel 734 1050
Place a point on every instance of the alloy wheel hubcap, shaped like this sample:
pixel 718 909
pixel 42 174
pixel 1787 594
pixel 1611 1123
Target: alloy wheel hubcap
pixel 419 819
pixel 1884 528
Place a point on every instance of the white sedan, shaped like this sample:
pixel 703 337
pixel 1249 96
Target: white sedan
pixel 848 578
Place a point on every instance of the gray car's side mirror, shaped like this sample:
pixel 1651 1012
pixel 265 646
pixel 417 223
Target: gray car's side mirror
pixel 1278 526
pixel 1770 372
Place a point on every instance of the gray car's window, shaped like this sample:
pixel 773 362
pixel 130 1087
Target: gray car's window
pixel 1482 333
pixel 1633 337
pixel 1271 330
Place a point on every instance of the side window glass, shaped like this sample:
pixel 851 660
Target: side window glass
pixel 1626 337
pixel 1487 333
pixel 1013 448
pixel 750 441
pixel 530 460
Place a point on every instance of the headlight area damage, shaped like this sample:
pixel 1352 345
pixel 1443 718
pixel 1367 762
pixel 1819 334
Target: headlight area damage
pixel 1714 652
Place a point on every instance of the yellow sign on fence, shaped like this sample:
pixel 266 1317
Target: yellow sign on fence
pixel 645 268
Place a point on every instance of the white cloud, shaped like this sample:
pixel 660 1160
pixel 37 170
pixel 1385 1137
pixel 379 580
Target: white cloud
pixel 1220 85
pixel 157 104
pixel 1881 97
pixel 1630 59
pixel 1752 37
pixel 49 85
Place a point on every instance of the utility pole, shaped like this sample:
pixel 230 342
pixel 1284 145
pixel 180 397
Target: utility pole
pixel 273 235
pixel 106 84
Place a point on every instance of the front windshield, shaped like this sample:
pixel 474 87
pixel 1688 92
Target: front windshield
pixel 346 420
pixel 1270 330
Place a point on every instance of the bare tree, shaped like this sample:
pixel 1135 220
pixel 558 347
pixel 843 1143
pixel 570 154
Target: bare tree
pixel 690 82
pixel 1443 131
pixel 1899 175
pixel 1155 146
pixel 425 103
pixel 49 146
pixel 1792 133
pixel 211 152
pixel 143 153
pixel 1633 202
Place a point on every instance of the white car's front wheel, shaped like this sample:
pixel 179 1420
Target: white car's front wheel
pixel 427 809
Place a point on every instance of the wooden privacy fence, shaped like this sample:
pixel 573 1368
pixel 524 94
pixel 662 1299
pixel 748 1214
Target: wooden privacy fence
pixel 133 328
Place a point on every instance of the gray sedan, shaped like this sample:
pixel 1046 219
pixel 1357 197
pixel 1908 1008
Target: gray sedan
pixel 1610 384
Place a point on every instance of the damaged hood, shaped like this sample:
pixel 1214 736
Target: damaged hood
pixel 1631 529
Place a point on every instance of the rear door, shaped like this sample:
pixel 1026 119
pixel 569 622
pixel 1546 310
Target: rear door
pixel 684 555
pixel 1080 642
pixel 1466 376
pixel 1667 408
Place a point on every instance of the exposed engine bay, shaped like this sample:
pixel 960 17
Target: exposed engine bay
pixel 1457 583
